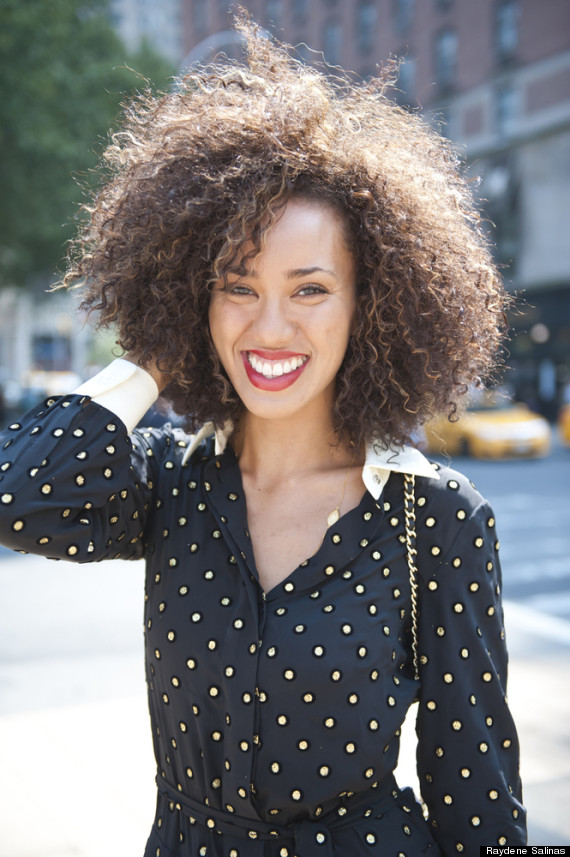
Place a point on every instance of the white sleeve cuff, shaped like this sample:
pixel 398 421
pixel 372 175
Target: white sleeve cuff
pixel 123 388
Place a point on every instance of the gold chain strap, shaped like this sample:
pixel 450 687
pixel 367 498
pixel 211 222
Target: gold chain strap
pixel 410 518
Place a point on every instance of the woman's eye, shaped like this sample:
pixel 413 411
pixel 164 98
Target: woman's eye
pixel 239 290
pixel 312 290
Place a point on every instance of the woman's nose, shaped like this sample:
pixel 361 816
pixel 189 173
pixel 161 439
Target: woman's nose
pixel 273 325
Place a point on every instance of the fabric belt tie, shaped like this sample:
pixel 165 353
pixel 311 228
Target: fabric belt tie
pixel 304 836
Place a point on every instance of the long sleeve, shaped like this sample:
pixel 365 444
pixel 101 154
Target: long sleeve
pixel 468 754
pixel 73 485
pixel 123 388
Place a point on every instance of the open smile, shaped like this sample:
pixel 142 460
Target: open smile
pixel 276 368
pixel 276 372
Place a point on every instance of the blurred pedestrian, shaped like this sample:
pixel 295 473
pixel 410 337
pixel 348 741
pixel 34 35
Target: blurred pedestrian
pixel 296 263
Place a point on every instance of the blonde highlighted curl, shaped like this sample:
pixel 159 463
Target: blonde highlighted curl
pixel 195 172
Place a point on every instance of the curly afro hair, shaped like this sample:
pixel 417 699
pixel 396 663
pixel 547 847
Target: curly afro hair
pixel 196 172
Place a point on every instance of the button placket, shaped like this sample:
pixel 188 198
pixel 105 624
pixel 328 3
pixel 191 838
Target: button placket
pixel 230 513
pixel 262 615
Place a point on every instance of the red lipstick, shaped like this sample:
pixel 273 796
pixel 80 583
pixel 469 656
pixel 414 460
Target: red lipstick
pixel 277 383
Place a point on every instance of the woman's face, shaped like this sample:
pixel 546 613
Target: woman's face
pixel 281 324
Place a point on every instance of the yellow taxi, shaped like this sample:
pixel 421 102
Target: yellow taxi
pixel 564 424
pixel 492 426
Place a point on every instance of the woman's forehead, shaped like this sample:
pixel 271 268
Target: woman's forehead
pixel 307 224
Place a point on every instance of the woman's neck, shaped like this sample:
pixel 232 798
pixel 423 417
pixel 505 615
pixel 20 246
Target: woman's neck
pixel 271 450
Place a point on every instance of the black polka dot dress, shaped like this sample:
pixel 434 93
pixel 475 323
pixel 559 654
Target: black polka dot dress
pixel 275 716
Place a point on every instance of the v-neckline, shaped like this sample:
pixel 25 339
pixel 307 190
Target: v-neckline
pixel 341 543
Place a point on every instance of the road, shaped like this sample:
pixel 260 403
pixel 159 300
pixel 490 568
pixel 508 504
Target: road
pixel 531 500
pixel 75 747
pixel 532 505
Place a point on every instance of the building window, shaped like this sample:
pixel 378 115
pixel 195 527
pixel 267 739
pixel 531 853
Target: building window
pixel 201 17
pixel 332 42
pixel 51 352
pixel 441 120
pixel 116 14
pixel 223 8
pixel 299 11
pixel 501 192
pixel 406 80
pixel 366 25
pixel 507 29
pixel 273 12
pixel 445 59
pixel 506 109
pixel 403 13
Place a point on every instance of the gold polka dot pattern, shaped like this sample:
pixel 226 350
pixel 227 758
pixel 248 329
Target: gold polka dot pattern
pixel 284 708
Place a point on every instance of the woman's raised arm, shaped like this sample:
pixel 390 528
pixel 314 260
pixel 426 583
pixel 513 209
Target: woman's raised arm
pixel 73 484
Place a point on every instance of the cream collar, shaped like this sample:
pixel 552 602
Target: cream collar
pixel 377 467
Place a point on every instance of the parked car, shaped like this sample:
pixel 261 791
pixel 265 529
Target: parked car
pixel 564 424
pixel 493 426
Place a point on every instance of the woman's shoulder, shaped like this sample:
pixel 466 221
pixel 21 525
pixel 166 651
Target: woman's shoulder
pixel 451 492
pixel 453 520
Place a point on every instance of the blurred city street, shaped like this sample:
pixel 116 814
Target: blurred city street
pixel 531 500
pixel 75 746
pixel 493 77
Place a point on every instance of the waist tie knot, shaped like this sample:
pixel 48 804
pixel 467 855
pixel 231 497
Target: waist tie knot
pixel 307 837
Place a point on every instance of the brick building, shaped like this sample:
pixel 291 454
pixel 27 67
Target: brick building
pixel 497 73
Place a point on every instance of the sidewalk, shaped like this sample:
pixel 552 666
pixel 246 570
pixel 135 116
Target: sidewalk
pixel 539 698
pixel 73 771
pixel 77 779
pixel 539 694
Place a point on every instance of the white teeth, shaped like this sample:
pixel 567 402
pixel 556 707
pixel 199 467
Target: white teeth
pixel 275 369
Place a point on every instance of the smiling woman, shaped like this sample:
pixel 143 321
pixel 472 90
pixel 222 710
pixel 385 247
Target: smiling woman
pixel 285 325
pixel 196 174
pixel 296 264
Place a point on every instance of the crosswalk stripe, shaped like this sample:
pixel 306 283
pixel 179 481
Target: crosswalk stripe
pixel 537 622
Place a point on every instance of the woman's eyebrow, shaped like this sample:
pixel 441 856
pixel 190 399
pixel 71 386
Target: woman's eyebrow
pixel 292 274
pixel 305 272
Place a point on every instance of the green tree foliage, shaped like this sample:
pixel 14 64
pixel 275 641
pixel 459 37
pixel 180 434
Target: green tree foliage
pixel 63 75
